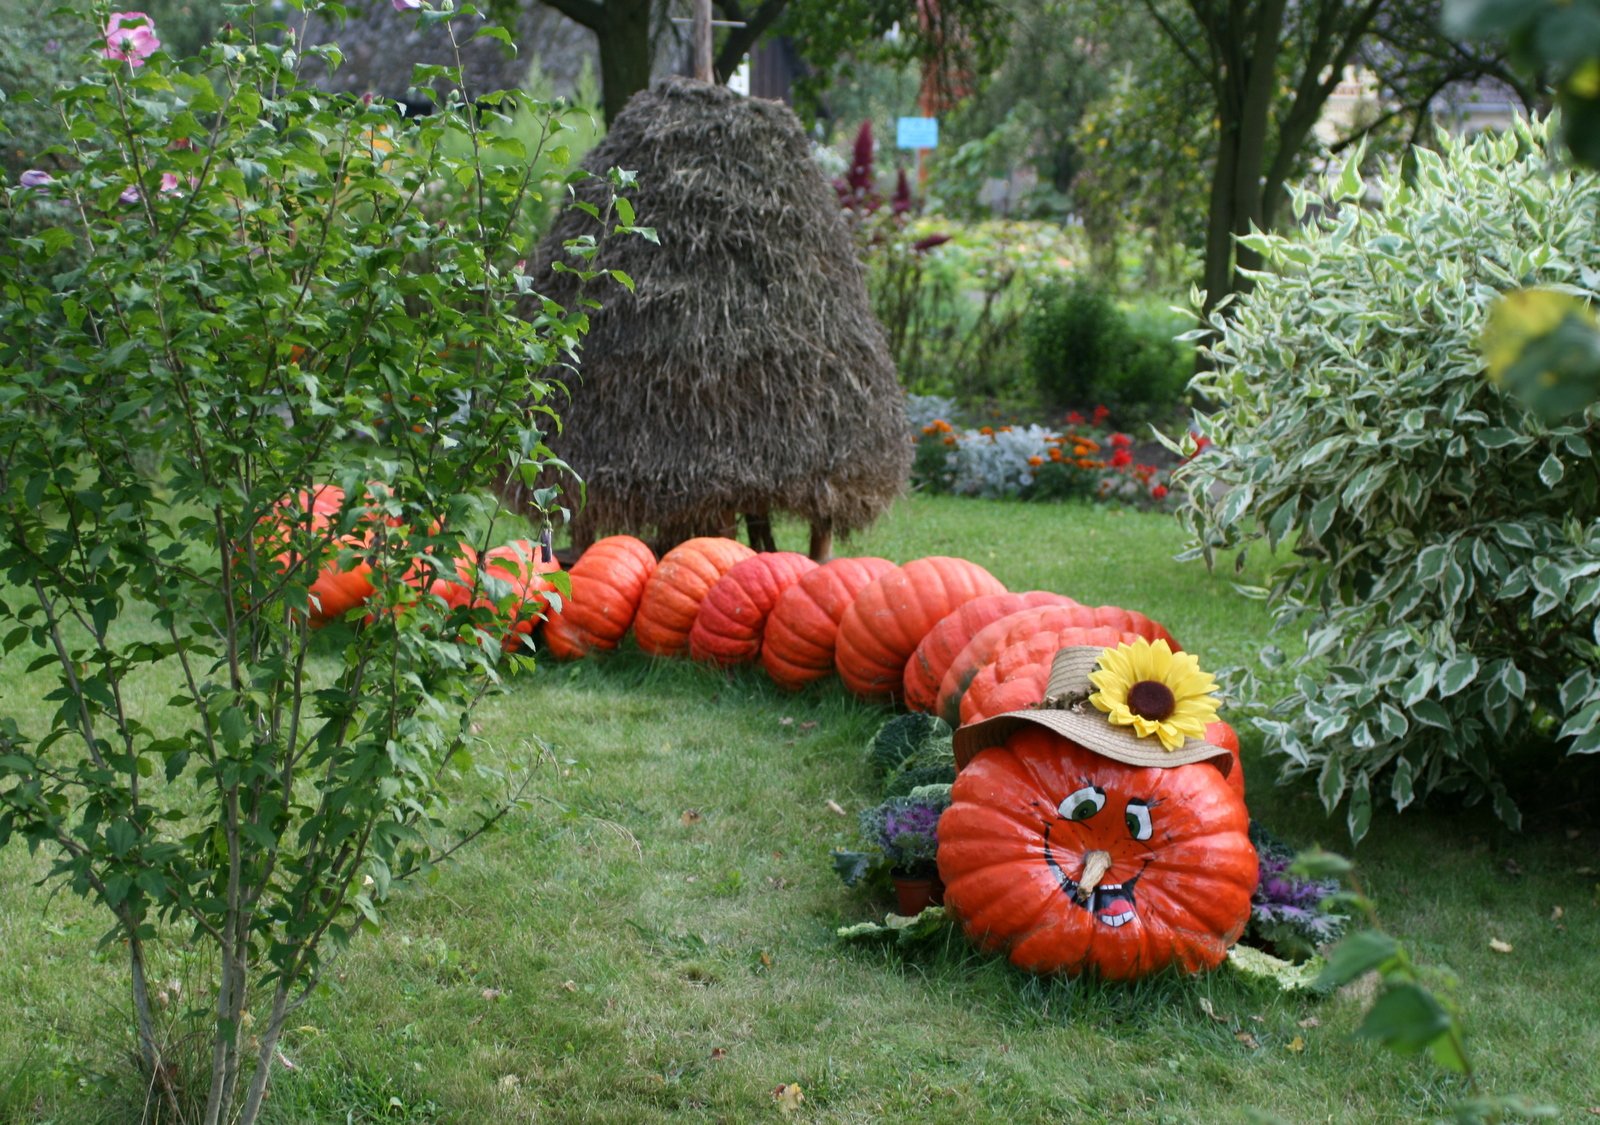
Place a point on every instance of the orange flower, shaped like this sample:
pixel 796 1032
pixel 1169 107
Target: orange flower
pixel 1085 463
pixel 940 426
pixel 1035 461
pixel 949 439
pixel 1055 455
pixel 986 431
pixel 1005 429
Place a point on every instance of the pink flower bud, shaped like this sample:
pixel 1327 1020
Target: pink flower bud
pixel 34 178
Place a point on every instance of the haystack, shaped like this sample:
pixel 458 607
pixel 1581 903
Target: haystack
pixel 746 374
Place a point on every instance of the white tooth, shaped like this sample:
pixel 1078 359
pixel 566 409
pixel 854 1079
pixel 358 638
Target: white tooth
pixel 1114 920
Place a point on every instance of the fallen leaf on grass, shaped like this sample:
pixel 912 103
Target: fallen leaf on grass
pixel 836 808
pixel 284 1061
pixel 788 1096
pixel 1512 867
pixel 510 1082
pixel 691 816
pixel 1556 913
pixel 1310 1021
pixel 1500 946
pixel 786 721
pixel 1297 1044
pixel 718 1054
pixel 491 994
pixel 570 986
pixel 1247 1039
pixel 766 959
pixel 809 726
pixel 1206 1007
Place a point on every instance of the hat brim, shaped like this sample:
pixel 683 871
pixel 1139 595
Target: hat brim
pixel 1084 725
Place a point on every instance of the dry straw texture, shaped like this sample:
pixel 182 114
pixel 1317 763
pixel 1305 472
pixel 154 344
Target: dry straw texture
pixel 747 374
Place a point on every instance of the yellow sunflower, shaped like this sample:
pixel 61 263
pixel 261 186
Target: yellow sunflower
pixel 1155 691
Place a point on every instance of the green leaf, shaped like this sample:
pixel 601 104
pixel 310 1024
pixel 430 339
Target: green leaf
pixel 1551 471
pixel 1406 1019
pixel 1457 673
pixel 1357 955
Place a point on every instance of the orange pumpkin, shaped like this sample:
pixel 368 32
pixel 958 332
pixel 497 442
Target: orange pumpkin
pixel 889 618
pixel 1071 862
pixel 607 582
pixel 944 642
pixel 802 631
pixel 337 589
pixel 672 596
pixel 1017 677
pixel 1006 631
pixel 1222 734
pixel 733 617
pixel 517 564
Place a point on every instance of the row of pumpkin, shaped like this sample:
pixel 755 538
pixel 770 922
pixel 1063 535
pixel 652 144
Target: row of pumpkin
pixel 938 634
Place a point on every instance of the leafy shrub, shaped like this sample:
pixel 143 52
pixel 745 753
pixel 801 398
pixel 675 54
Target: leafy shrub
pixel 912 750
pixel 1446 568
pixel 1287 915
pixel 254 292
pixel 1081 348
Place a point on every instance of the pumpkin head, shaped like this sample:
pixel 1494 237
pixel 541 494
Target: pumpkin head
pixel 672 596
pixel 1071 862
pixel 797 647
pixel 733 617
pixel 944 642
pixel 889 618
pixel 607 582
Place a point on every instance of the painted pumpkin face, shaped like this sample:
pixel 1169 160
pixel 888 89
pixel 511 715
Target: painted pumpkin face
pixel 1071 862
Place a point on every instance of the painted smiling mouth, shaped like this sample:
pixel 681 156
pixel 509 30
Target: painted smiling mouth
pixel 1111 903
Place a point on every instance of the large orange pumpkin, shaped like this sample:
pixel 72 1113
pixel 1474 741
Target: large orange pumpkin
pixel 338 587
pixel 944 642
pixel 1071 862
pixel 520 566
pixel 733 617
pixel 681 581
pixel 1017 676
pixel 889 618
pixel 797 647
pixel 607 582
pixel 1007 631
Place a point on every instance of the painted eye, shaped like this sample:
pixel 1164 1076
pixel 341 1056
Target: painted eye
pixel 1084 803
pixel 1138 820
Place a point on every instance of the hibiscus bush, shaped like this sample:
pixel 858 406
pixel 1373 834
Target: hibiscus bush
pixel 223 288
pixel 1446 539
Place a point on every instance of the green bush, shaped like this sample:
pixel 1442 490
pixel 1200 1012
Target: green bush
pixel 1446 567
pixel 1083 351
pixel 217 297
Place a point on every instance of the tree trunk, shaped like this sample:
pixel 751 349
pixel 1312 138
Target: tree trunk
pixel 624 39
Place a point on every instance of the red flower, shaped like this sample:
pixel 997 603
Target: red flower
pixel 1121 441
pixel 1121 459
pixel 1101 414
pixel 923 245
pixel 1159 492
pixel 1075 419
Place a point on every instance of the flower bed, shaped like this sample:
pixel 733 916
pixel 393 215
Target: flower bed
pixel 1083 458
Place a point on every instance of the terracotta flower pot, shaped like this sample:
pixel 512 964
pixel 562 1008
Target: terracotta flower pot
pixel 914 894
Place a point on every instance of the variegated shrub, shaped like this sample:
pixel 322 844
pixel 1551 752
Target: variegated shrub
pixel 1446 546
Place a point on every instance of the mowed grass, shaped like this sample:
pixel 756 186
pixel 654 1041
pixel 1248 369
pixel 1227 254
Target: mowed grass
pixel 652 939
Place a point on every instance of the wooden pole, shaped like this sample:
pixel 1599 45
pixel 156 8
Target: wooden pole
pixel 700 34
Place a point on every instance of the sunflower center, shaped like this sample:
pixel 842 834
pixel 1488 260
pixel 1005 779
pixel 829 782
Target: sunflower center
pixel 1152 699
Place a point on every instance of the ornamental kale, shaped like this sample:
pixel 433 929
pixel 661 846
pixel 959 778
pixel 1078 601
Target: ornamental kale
pixel 1286 915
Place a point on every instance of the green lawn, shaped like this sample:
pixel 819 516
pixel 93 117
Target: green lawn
pixel 653 938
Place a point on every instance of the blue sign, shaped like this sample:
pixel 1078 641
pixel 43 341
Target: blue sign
pixel 916 132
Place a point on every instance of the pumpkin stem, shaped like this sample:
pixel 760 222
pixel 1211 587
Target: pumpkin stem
pixel 1095 866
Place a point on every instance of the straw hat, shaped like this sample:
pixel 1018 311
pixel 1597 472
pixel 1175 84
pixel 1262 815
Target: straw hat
pixel 1067 710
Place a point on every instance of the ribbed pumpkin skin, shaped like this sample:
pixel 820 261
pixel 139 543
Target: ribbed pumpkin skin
pixel 519 566
pixel 798 646
pixel 1010 860
pixel 607 582
pixel 988 641
pixel 679 584
pixel 944 642
pixel 889 618
pixel 1019 673
pixel 734 615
